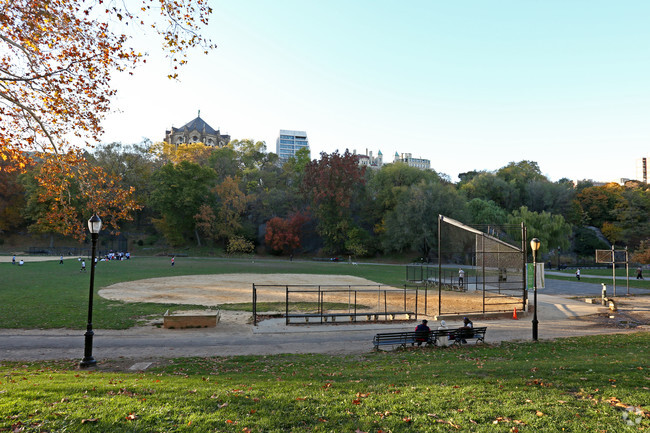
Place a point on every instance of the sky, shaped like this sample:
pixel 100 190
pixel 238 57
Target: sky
pixel 469 85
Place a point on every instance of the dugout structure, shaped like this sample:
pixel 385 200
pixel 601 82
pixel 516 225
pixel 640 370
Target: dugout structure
pixel 493 263
pixel 321 304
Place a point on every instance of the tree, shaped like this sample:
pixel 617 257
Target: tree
pixel 414 221
pixel 232 204
pixel 177 195
pixel 133 166
pixel 285 235
pixel 330 184
pixel 197 153
pixel 486 212
pixel 552 230
pixel 58 57
pixel 251 153
pixel 642 253
pixel 488 186
pixel 12 201
pixel 597 203
pixel 240 245
pixel 61 199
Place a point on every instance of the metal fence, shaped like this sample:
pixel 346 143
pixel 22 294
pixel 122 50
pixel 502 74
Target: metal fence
pixel 483 262
pixel 319 304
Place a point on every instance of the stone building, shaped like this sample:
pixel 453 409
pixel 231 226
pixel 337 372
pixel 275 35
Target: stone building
pixel 197 131
pixel 368 160
pixel 407 158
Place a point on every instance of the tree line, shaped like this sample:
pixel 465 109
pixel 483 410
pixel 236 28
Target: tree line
pixel 240 197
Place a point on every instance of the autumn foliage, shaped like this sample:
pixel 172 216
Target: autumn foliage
pixel 285 234
pixel 56 63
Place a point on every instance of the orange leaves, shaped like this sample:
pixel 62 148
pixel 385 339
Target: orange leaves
pixel 285 234
pixel 58 61
pixel 68 189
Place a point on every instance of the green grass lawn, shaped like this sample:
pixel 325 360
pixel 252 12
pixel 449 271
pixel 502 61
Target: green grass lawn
pixel 49 295
pixel 589 384
pixel 620 284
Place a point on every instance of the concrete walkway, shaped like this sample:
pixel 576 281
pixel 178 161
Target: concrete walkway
pixel 558 317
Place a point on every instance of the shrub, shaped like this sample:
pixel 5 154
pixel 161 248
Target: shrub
pixel 240 245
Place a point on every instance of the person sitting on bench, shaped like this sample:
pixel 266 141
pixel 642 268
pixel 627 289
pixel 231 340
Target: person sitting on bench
pixel 465 330
pixel 422 333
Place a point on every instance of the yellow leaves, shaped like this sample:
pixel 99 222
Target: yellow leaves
pixel 442 421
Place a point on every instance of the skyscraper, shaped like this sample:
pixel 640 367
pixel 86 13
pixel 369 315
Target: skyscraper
pixel 289 142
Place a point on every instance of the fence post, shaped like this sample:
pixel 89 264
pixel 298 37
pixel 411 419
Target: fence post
pixel 286 304
pixel 254 306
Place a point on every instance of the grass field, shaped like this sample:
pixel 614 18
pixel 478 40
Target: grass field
pixel 590 384
pixel 49 295
pixel 639 284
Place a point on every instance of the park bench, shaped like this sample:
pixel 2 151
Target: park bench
pixel 433 337
pixel 459 334
pixel 370 317
pixel 402 338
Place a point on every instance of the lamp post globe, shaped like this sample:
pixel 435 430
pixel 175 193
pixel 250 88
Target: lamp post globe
pixel 534 246
pixel 94 226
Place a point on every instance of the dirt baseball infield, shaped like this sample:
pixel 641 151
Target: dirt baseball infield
pixel 213 290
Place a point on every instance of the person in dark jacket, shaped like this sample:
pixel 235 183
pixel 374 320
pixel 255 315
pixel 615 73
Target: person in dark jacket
pixel 422 333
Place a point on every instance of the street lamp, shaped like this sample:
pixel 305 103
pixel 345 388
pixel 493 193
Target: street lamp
pixel 94 225
pixel 534 245
pixel 558 258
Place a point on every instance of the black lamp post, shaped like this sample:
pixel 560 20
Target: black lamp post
pixel 534 246
pixel 558 258
pixel 94 225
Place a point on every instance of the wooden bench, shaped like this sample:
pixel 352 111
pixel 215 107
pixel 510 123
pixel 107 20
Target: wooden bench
pixel 432 338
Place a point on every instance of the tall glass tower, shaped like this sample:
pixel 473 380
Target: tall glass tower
pixel 289 142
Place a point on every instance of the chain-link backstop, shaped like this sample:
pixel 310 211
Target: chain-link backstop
pixel 481 262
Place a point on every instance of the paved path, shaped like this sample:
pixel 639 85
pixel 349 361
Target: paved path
pixel 557 318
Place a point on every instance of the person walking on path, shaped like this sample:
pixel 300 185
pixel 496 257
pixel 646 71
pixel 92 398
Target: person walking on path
pixel 172 260
pixel 639 273
pixel 578 274
pixel 61 260
pixel 461 277
pixel 13 260
pixel 83 266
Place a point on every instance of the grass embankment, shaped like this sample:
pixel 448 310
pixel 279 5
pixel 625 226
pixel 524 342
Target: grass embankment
pixel 594 384
pixel 49 295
